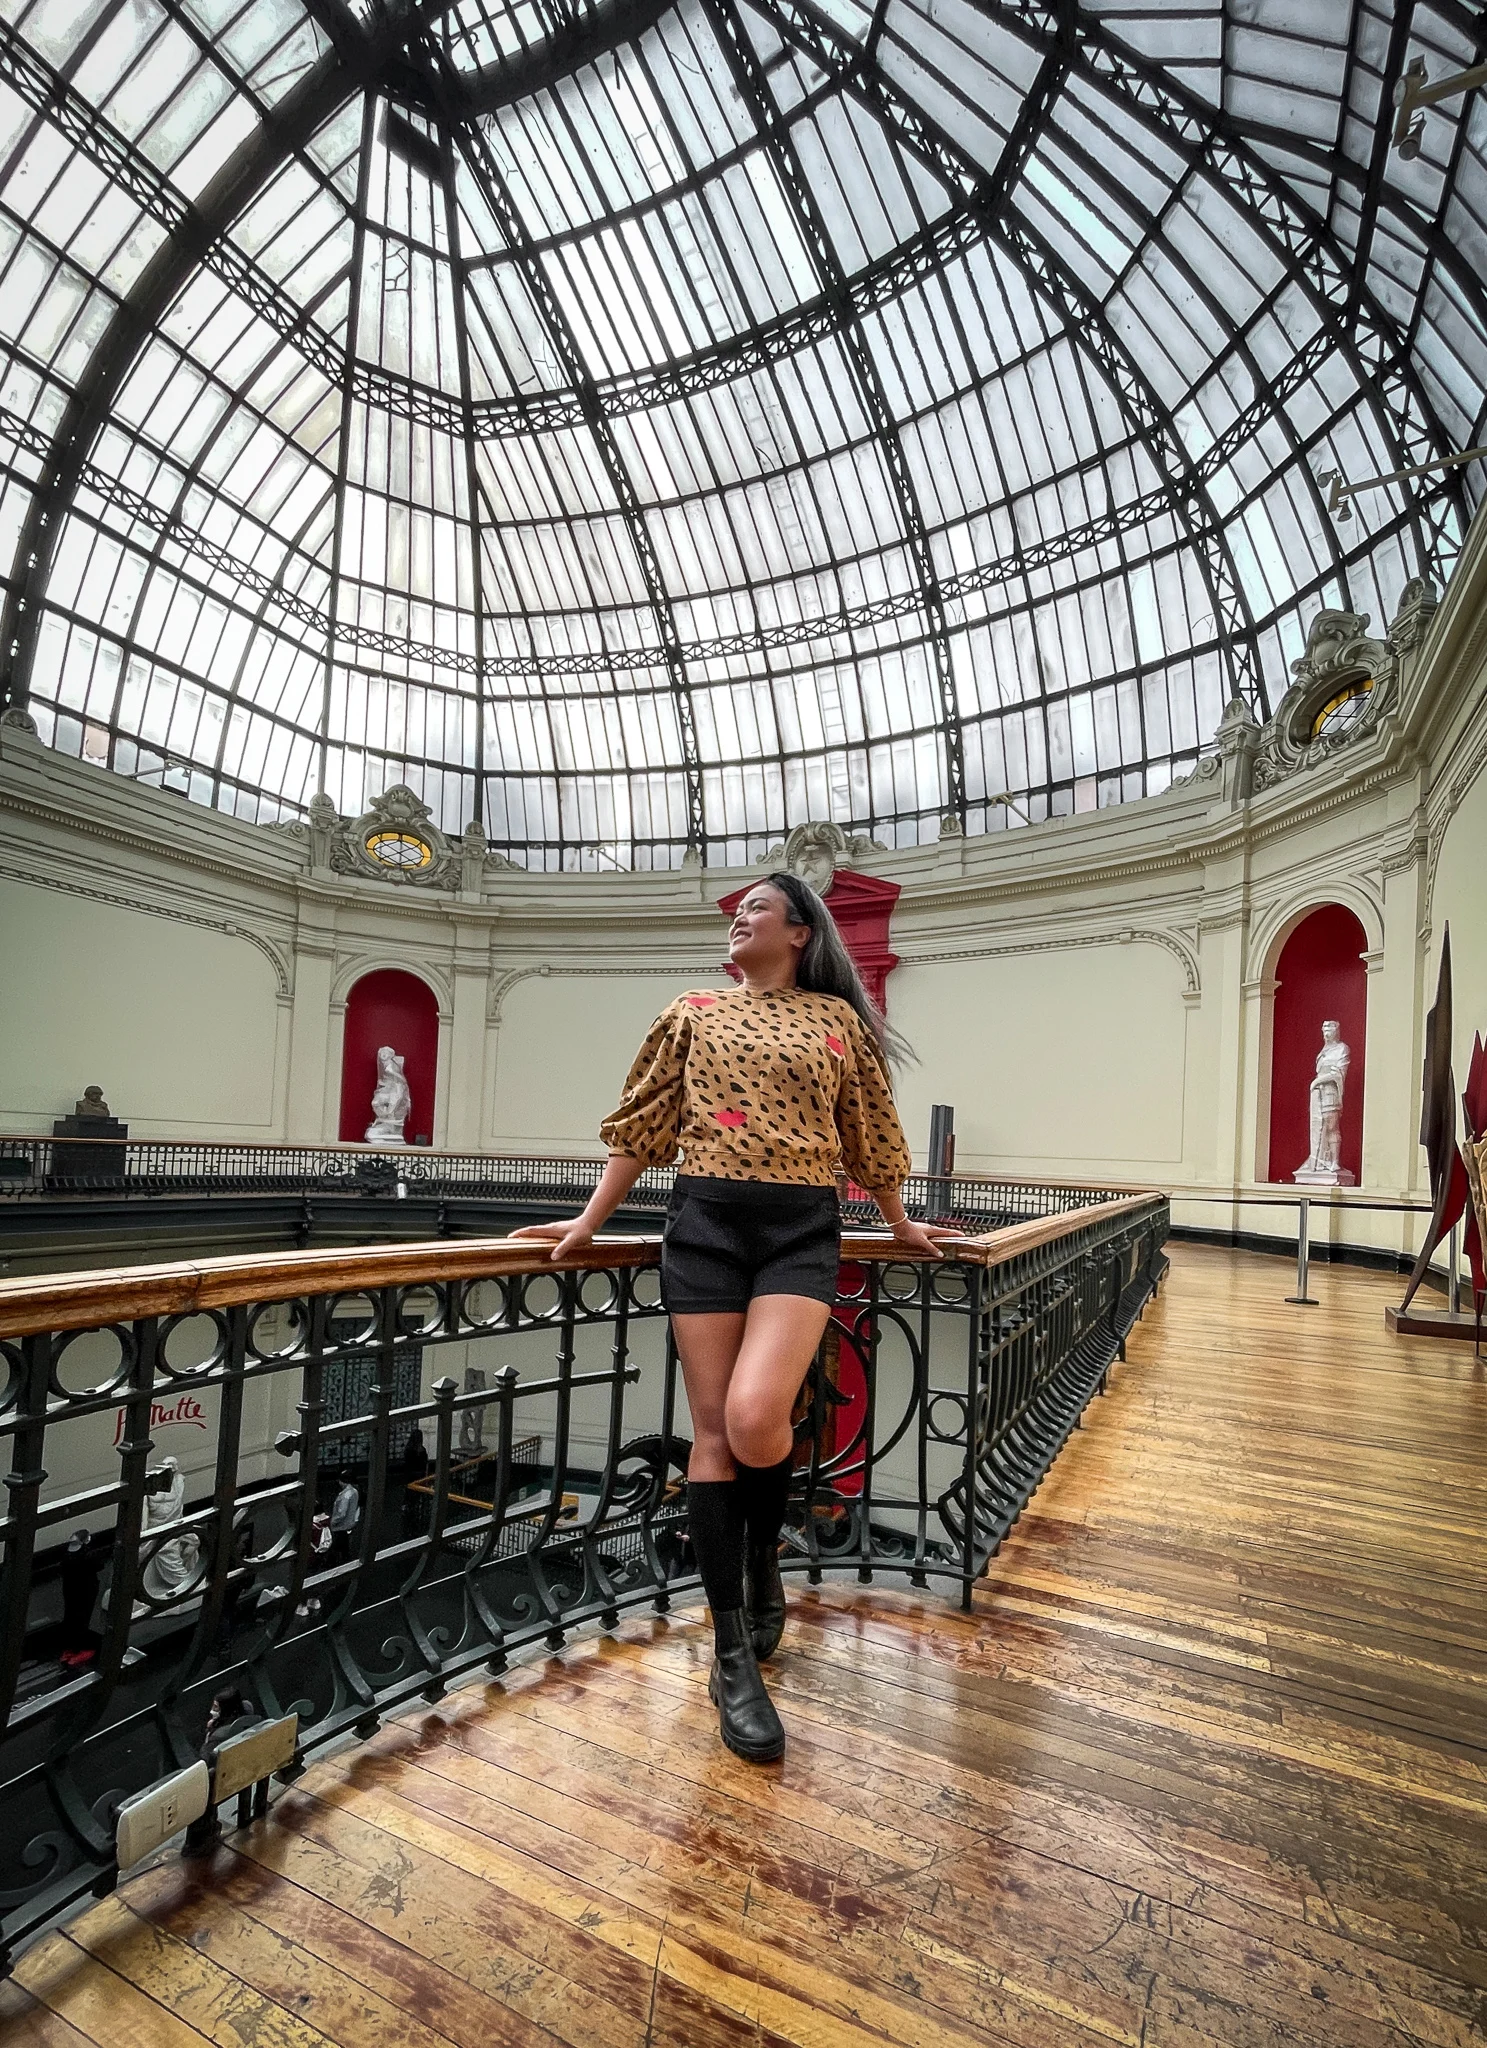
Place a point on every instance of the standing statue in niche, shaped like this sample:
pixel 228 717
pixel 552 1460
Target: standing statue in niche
pixel 1322 1168
pixel 392 1103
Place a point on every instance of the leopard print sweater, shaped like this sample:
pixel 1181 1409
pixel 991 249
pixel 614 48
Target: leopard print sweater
pixel 779 1085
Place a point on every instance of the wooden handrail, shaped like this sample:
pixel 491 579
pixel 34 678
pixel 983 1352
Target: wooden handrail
pixel 78 1301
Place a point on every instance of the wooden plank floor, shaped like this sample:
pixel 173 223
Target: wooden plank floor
pixel 1207 1765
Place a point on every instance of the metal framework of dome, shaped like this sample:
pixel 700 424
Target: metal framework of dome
pixel 641 426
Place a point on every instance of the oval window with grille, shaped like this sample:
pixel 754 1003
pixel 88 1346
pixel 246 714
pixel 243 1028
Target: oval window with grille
pixel 399 849
pixel 1342 711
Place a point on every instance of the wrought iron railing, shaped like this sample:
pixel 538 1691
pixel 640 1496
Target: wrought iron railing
pixel 938 1401
pixel 60 1167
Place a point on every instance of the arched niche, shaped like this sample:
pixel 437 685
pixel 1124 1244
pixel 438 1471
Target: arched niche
pixel 389 1007
pixel 1320 974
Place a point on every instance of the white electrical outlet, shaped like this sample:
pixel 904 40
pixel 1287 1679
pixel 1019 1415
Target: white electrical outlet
pixel 160 1811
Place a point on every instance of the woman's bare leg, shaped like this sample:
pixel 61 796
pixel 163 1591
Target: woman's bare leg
pixel 708 1348
pixel 780 1336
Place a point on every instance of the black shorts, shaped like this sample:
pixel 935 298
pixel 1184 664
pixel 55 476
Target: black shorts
pixel 728 1241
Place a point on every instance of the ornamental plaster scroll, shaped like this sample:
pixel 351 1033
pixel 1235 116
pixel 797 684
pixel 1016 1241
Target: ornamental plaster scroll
pixel 1340 657
pixel 1127 935
pixel 345 845
pixel 1340 654
pixel 665 971
pixel 815 851
pixel 224 926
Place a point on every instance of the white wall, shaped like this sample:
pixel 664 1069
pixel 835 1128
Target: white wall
pixel 562 1048
pixel 180 1026
pixel 1066 1062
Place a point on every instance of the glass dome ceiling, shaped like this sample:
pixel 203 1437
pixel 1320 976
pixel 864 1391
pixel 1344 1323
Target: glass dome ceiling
pixel 644 426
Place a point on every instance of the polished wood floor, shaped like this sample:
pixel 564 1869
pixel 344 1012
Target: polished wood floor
pixel 1207 1765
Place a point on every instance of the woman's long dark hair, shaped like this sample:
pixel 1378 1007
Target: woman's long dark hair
pixel 827 968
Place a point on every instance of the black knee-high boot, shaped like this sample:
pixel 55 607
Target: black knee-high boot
pixel 747 1721
pixel 764 1490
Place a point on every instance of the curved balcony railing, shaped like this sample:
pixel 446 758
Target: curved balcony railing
pixel 66 1167
pixel 550 1496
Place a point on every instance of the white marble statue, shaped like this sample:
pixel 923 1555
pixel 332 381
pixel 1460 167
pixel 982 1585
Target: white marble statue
pixel 392 1104
pixel 1321 1168
pixel 174 1564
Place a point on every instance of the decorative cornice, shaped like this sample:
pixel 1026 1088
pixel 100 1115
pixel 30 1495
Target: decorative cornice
pixel 1404 858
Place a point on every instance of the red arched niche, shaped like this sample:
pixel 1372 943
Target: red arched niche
pixel 1319 975
pixel 396 1009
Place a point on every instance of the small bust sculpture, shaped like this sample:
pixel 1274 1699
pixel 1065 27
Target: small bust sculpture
pixel 1321 1167
pixel 91 1104
pixel 392 1101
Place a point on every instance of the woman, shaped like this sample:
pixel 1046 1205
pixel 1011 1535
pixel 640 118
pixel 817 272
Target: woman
pixel 763 1089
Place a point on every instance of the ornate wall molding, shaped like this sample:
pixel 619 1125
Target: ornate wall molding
pixel 1277 917
pixel 501 988
pixel 224 926
pixel 395 840
pixel 351 967
pixel 1403 858
pixel 815 851
pixel 1346 684
pixel 1125 935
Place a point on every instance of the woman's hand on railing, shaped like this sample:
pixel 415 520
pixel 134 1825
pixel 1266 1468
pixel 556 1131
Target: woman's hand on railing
pixel 924 1239
pixel 572 1240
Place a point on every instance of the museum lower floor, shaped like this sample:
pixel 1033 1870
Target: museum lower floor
pixel 1205 1763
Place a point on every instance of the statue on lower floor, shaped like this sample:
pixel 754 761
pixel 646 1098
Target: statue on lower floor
pixel 392 1100
pixel 173 1564
pixel 1323 1167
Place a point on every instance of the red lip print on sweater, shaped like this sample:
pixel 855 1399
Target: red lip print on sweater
pixel 701 1002
pixel 835 1045
pixel 730 1119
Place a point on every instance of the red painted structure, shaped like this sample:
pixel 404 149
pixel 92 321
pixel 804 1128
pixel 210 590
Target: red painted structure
pixel 396 1009
pixel 1319 975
